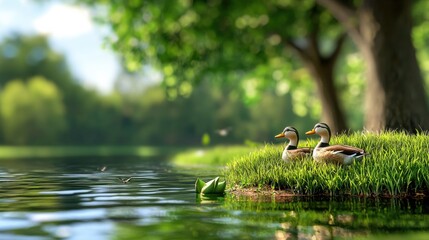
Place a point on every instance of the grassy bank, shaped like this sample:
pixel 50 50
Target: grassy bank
pixel 218 155
pixel 80 151
pixel 398 165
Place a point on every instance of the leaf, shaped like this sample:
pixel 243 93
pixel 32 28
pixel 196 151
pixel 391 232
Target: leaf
pixel 210 186
pixel 220 188
pixel 199 184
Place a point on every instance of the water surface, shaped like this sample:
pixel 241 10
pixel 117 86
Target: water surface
pixel 86 198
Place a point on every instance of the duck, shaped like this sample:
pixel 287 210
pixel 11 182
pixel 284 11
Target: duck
pixel 336 154
pixel 291 151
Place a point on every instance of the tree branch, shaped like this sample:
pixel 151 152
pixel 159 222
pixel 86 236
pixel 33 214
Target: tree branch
pixel 338 46
pixel 313 49
pixel 301 52
pixel 341 11
pixel 346 16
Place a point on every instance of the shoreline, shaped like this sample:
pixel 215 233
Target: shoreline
pixel 266 192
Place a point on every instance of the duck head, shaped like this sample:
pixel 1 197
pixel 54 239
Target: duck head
pixel 323 130
pixel 290 133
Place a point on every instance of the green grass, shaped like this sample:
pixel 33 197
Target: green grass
pixel 7 152
pixel 398 165
pixel 218 155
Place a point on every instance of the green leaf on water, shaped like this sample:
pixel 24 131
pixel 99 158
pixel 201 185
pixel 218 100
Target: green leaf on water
pixel 210 186
pixel 220 188
pixel 199 184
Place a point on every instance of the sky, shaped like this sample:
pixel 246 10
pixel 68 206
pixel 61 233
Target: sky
pixel 71 32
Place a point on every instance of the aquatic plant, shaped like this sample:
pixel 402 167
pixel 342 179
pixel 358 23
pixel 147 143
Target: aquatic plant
pixel 398 165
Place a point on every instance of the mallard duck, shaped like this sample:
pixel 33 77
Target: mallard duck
pixel 337 154
pixel 292 152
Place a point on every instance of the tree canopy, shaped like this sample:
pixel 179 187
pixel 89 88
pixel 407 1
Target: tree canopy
pixel 248 45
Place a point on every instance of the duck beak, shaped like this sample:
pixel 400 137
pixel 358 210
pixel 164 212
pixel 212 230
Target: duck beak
pixel 311 132
pixel 281 135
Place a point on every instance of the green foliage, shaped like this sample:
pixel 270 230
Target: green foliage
pixel 188 37
pixel 239 45
pixel 32 113
pixel 397 165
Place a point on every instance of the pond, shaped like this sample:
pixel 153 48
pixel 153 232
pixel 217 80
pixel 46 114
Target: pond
pixel 86 198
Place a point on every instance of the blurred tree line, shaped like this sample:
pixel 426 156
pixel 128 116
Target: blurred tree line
pixel 42 103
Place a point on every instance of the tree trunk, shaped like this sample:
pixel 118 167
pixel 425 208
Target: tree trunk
pixel 332 113
pixel 321 69
pixel 395 95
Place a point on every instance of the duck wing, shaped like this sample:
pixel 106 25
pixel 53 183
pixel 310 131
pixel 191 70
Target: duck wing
pixel 344 149
pixel 300 150
pixel 298 153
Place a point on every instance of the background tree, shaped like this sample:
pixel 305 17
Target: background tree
pixel 90 118
pixel 32 113
pixel 395 95
pixel 24 57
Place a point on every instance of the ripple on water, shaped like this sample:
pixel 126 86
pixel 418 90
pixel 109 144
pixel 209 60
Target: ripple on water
pixel 125 198
pixel 7 224
pixel 87 230
pixel 72 215
pixel 65 192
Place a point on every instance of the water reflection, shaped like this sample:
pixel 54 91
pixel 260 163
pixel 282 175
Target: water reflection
pixel 74 199
pixel 339 218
